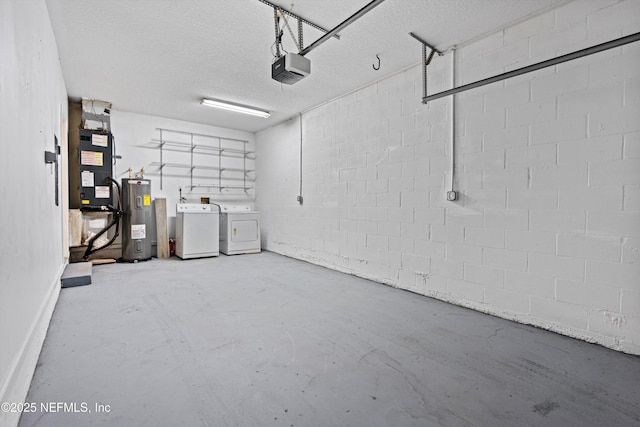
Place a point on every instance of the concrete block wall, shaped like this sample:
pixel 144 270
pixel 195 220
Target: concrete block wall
pixel 546 229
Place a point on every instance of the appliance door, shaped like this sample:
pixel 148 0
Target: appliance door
pixel 244 230
pixel 200 234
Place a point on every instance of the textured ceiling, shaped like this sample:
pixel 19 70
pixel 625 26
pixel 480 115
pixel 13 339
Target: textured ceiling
pixel 160 57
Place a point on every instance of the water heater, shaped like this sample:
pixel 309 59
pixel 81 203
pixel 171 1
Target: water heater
pixel 136 222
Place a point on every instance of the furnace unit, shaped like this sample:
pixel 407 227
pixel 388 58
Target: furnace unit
pixel 96 169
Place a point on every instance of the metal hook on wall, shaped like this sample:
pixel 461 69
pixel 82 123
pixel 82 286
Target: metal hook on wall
pixel 374 67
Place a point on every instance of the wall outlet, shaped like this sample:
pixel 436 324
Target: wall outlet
pixel 452 195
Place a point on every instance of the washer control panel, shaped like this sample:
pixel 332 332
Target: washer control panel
pixel 195 208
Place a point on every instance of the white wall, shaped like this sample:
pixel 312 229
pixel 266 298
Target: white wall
pixel 33 105
pixel 547 227
pixel 134 134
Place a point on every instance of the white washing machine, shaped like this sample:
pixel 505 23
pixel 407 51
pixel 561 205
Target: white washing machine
pixel 197 230
pixel 239 230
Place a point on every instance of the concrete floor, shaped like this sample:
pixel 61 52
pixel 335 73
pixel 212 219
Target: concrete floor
pixel 264 340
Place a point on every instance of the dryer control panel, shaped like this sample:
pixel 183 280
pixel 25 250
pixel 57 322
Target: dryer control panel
pixel 235 208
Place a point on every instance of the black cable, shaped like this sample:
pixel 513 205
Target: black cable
pixel 117 214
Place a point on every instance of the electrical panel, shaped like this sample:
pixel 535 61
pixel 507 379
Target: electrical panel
pixel 96 167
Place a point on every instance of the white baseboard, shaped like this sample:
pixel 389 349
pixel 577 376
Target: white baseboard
pixel 17 384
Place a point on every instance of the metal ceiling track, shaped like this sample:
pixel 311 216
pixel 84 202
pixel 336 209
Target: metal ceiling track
pixel 534 67
pixel 340 26
pixel 299 18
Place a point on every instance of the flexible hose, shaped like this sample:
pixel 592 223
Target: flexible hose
pixel 117 214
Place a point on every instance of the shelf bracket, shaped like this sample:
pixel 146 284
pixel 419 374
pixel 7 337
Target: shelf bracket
pixel 426 60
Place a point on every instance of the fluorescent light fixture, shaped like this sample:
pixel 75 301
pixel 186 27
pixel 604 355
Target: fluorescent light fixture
pixel 236 108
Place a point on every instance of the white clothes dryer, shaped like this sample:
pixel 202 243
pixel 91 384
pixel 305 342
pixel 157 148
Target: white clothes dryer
pixel 239 230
